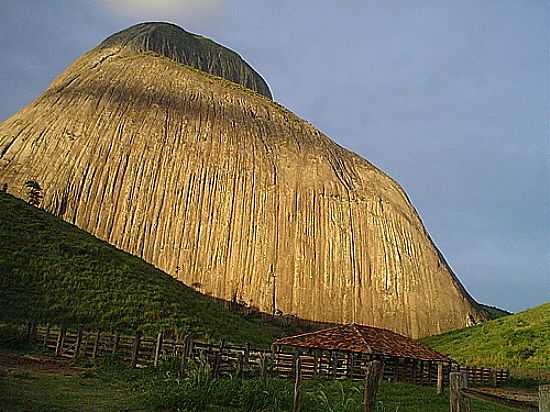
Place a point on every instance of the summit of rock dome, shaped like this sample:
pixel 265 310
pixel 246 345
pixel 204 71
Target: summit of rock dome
pixel 190 49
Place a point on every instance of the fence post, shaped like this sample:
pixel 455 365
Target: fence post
pixel 217 361
pixel 34 330
pixel 493 377
pixel 439 378
pixel 96 344
pixel 276 359
pixel 352 364
pixel 60 339
pixel 396 370
pixel 316 364
pixel 247 355
pixel 78 342
pixel 455 384
pixel 46 336
pixel 333 363
pixel 272 361
pixel 183 354
pixel 297 382
pixel 544 398
pixel 417 366
pixel 186 351
pixel 459 402
pixel 28 333
pixel 115 343
pixel 157 349
pixel 349 363
pixel 175 347
pixel 135 350
pixel 31 331
pixel 263 366
pixel 190 347
pixel 373 373
pixel 240 365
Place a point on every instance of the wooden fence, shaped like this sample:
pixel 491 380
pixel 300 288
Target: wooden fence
pixel 339 364
pixel 461 393
pixel 224 359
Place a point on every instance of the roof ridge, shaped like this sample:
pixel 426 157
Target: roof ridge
pixel 408 338
pixel 356 329
pixel 372 341
pixel 306 334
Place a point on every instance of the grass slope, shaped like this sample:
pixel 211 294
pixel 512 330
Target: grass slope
pixel 52 271
pixel 516 341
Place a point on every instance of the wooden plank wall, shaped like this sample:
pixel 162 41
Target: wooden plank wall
pixel 231 359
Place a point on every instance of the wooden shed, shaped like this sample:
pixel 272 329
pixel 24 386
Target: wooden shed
pixel 342 351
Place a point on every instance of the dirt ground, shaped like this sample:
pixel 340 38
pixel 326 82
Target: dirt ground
pixel 34 382
pixel 10 362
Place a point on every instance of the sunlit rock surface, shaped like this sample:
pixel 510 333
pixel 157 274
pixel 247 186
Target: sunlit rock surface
pixel 208 179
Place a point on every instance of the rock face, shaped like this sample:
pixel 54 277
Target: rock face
pixel 208 179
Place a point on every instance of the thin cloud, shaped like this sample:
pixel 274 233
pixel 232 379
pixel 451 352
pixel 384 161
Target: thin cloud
pixel 166 9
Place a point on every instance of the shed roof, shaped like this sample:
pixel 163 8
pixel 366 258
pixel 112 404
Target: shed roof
pixel 363 339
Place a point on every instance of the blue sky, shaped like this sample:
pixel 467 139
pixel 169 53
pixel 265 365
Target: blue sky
pixel 451 98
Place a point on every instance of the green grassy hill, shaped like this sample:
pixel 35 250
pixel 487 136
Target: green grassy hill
pixel 515 341
pixel 494 312
pixel 52 271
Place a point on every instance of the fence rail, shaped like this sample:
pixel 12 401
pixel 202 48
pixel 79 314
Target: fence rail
pixel 461 393
pixel 144 351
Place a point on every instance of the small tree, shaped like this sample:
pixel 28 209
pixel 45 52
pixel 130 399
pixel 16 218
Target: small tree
pixel 34 191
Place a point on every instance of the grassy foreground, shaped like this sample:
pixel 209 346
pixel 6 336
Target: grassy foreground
pixel 516 341
pixel 112 388
pixel 52 271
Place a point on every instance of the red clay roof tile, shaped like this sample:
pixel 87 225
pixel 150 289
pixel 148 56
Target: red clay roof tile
pixel 363 339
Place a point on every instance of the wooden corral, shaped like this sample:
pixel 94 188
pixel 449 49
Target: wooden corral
pixel 343 351
pixel 279 360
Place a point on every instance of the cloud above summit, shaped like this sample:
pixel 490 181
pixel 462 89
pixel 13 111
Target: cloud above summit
pixel 166 9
